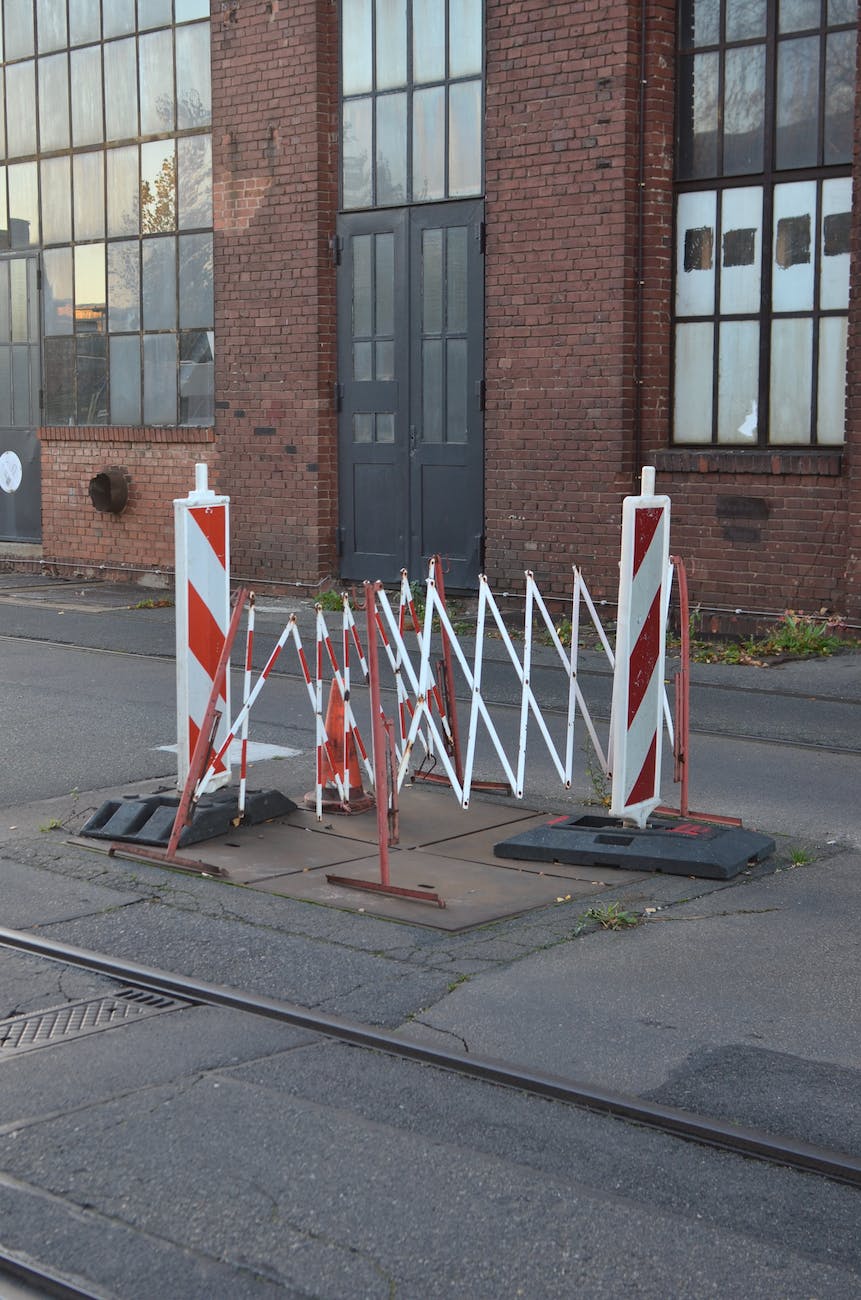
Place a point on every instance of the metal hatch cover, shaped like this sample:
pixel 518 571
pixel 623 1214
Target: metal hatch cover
pixel 52 1025
pixel 676 846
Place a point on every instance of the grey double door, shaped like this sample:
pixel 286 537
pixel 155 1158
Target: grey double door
pixel 410 391
pixel 20 470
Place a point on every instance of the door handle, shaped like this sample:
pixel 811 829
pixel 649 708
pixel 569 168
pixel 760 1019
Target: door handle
pixel 414 442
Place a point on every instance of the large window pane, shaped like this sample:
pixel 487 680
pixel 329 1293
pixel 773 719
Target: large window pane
pixel 741 250
pixel 160 372
pixel 21 109
pixel 193 83
pixel 356 146
pixel 89 204
pixel 797 127
pixel 124 285
pixel 54 102
pixel 831 414
pixel 745 19
pixel 158 280
pixel 118 17
pixel 56 200
pixel 196 378
pixel 839 97
pixel 59 371
pixel 738 382
pixel 91 378
pixel 798 15
pixel 153 13
pixel 428 40
pixel 699 77
pixel 155 57
pixel 692 414
pixel 85 23
pixel 195 281
pixel 835 242
pixel 86 74
pixel 791 375
pixel 793 256
pixel 18 28
pixel 429 144
pixel 695 254
pixel 23 205
pixel 465 38
pixel 51 24
pixel 121 90
pixel 123 189
pixel 464 131
pixel 90 297
pixel 357 53
pixel 186 10
pixel 391 43
pixel 195 181
pixel 744 110
pixel 158 187
pixel 391 149
pixel 57 291
pixel 125 360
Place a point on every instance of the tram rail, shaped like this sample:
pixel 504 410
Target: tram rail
pixel 784 1151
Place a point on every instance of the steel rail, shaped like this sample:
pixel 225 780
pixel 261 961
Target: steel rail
pixel 744 1141
pixel 36 1281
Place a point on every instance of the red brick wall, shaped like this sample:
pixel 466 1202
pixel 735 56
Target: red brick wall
pixel 275 151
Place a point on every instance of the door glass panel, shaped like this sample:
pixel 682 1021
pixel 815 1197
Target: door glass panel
pixel 693 393
pixel 89 204
pixel 20 316
pixel 432 281
pixel 464 128
pixel 391 149
pixel 21 412
pixel 54 102
pixel 5 387
pixel 385 427
pixel 125 356
pixel 57 290
pixel 356 47
pixel 738 382
pixel 385 284
pixel 56 201
pixel 831 414
pixel 5 318
pixel 791 373
pixel 363 427
pixel 456 390
pixel 363 362
pixel 797 126
pixel 429 144
pixel 385 360
pixel 432 406
pixel 456 282
pixel 465 38
pixel 428 40
pixel 391 43
pixel 744 110
pixel 363 308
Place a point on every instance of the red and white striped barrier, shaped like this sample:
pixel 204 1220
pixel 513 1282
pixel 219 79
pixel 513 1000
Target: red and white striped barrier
pixel 202 539
pixel 638 681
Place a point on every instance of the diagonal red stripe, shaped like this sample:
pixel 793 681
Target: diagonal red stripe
pixel 645 526
pixel 211 521
pixel 644 658
pixel 205 637
pixel 644 786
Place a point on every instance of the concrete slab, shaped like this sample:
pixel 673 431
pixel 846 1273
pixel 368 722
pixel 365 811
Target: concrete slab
pixel 255 853
pixel 474 893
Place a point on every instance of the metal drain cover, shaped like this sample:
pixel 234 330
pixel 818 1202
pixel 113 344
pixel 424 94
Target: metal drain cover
pixel 75 1019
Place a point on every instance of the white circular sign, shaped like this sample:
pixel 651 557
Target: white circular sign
pixel 11 472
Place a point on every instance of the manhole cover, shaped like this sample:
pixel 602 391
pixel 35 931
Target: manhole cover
pixel 75 1019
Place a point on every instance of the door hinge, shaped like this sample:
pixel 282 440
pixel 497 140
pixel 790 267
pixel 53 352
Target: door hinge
pixel 337 396
pixel 481 393
pixel 482 236
pixel 41 399
pixel 336 244
pixel 339 539
pixel 39 279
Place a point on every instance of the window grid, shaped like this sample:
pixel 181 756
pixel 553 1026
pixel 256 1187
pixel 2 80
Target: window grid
pixel 74 217
pixel 711 163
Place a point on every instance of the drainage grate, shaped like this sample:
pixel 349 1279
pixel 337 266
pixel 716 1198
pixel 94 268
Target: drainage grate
pixel 75 1019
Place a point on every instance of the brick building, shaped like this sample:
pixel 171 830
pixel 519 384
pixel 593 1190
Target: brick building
pixel 419 275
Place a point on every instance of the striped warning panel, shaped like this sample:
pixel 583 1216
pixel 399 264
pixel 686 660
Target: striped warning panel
pixel 639 672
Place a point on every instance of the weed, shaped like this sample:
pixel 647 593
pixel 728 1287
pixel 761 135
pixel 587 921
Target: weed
pixel 609 916
pixel 796 636
pixel 601 794
pixel 153 604
pixel 799 858
pixel 53 825
pixel 331 600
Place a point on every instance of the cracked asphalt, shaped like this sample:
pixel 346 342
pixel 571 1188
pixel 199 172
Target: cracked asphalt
pixel 208 1153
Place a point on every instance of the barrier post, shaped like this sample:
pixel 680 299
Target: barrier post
pixel 202 542
pixel 638 679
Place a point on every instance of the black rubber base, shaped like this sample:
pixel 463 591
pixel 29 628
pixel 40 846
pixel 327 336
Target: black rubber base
pixel 150 820
pixel 676 846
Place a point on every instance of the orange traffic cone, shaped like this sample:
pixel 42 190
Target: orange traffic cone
pixel 343 764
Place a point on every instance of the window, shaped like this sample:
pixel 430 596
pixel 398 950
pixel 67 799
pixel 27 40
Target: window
pixel 411 80
pixel 763 203
pixel 108 173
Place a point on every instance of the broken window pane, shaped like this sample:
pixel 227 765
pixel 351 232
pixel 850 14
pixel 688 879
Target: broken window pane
pixel 738 382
